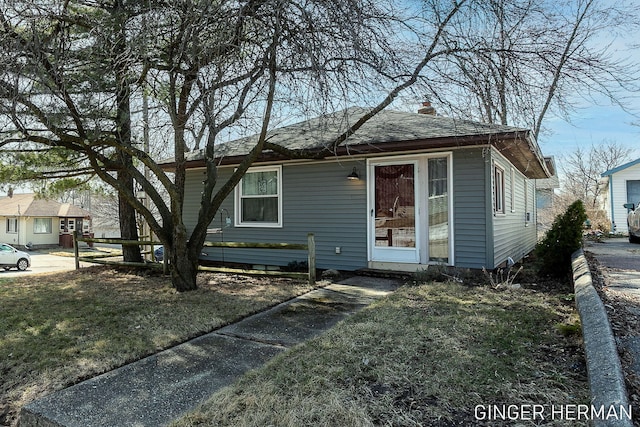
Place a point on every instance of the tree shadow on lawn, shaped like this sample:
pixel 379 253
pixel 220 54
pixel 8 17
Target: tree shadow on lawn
pixel 59 329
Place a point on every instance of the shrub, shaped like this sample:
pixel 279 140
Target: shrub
pixel 563 239
pixel 298 266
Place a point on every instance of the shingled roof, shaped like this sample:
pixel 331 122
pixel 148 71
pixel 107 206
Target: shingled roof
pixel 30 205
pixel 388 131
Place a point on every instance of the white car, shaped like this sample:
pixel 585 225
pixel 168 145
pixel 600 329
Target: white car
pixel 10 257
pixel 633 222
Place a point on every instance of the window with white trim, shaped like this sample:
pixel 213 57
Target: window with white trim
pixel 12 225
pixel 512 190
pixel 498 189
pixel 527 214
pixel 42 225
pixel 258 201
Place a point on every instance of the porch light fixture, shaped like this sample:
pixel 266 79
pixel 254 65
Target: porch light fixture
pixel 353 176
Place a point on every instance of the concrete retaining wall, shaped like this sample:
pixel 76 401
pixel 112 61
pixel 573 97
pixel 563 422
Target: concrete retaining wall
pixel 606 380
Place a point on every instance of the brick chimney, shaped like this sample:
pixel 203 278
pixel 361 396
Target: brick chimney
pixel 427 109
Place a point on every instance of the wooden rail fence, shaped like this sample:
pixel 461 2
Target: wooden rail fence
pixel 310 247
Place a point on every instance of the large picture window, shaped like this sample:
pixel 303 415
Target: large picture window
pixel 42 225
pixel 259 198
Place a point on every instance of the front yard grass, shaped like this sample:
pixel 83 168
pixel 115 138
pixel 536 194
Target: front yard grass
pixel 427 355
pixel 58 329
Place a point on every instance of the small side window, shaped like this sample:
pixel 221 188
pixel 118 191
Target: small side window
pixel 498 189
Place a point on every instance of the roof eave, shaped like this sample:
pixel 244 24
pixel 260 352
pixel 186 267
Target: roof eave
pixel 620 168
pixel 517 146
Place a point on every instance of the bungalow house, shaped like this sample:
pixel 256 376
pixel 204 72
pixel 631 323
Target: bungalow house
pixel 622 185
pixel 41 222
pixel 405 191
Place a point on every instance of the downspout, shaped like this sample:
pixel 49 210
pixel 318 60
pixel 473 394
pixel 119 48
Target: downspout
pixel 18 226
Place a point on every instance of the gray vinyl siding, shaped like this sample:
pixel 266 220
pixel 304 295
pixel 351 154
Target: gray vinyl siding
pixel 470 207
pixel 514 236
pixel 317 198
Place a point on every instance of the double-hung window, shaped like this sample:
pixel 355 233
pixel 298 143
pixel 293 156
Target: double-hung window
pixel 259 198
pixel 498 190
pixel 12 225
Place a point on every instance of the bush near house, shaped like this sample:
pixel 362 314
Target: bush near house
pixel 563 239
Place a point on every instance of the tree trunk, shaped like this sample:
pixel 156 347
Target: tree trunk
pixel 128 227
pixel 183 272
pixel 184 262
pixel 128 224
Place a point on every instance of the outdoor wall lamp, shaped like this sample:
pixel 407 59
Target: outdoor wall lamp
pixel 353 176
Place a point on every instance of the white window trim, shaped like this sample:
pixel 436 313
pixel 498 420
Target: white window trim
pixel 15 223
pixel 527 214
pixel 43 232
pixel 424 259
pixel 512 190
pixel 498 190
pixel 238 201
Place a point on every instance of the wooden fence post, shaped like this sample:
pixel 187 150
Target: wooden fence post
pixel 311 243
pixel 75 249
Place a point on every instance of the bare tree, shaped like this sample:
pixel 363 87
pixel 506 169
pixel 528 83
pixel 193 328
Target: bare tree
pixel 524 59
pixel 583 168
pixel 581 178
pixel 221 63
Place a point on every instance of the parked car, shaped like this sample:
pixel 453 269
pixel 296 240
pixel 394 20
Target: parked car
pixel 159 254
pixel 633 222
pixel 10 257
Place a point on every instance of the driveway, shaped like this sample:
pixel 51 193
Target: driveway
pixel 42 263
pixel 621 262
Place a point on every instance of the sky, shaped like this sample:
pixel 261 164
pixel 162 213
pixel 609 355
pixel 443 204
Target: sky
pixel 591 125
pixel 594 124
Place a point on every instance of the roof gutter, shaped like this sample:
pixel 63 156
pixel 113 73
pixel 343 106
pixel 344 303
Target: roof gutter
pixel 529 160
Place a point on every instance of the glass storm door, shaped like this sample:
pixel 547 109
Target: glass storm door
pixel 438 210
pixel 394 213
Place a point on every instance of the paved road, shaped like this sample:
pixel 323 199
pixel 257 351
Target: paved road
pixel 621 261
pixel 42 263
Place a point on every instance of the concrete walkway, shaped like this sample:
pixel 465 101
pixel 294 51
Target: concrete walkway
pixel 158 389
pixel 621 260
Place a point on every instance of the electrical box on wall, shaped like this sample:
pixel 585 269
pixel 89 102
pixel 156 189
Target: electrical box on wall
pixel 338 250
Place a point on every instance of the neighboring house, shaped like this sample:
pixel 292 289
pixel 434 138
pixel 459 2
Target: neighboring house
pixel 545 187
pixel 405 191
pixel 622 186
pixel 41 222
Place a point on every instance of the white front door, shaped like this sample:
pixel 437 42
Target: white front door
pixel 394 217
pixel 410 210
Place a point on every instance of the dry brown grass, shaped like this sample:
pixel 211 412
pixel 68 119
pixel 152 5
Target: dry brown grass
pixel 424 356
pixel 57 329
